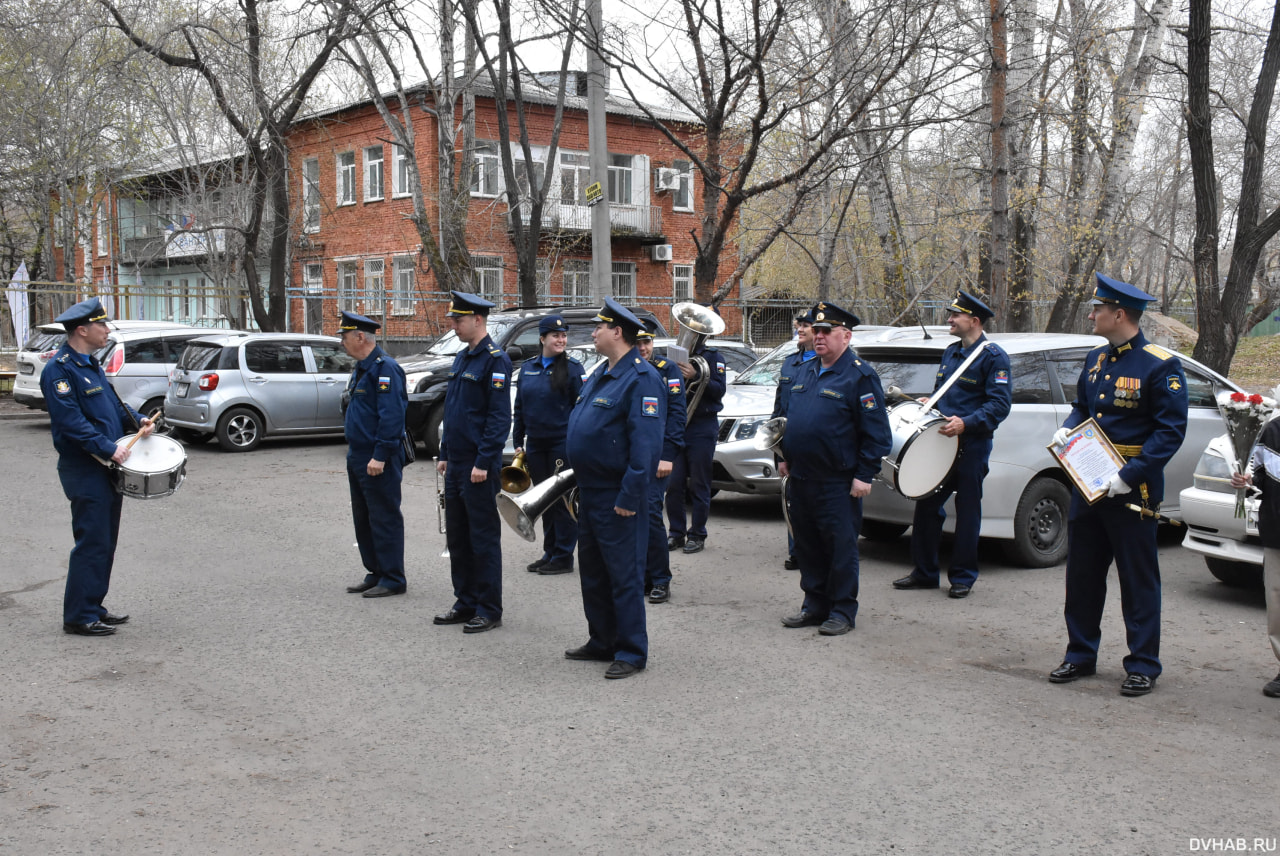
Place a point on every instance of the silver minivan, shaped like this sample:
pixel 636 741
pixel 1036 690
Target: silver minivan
pixel 241 388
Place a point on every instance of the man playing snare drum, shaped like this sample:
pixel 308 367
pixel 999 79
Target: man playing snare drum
pixel 975 405
pixel 87 418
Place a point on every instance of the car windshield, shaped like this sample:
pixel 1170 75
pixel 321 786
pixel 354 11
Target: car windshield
pixel 765 371
pixel 449 344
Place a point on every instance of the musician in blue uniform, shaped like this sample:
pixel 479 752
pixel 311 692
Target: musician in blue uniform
pixel 837 432
pixel 691 470
pixel 374 427
pixel 657 568
pixel 975 405
pixel 477 418
pixel 786 376
pixel 615 439
pixel 549 385
pixel 1137 394
pixel 87 418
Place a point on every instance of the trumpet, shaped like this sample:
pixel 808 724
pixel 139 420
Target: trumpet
pixel 515 478
pixel 440 518
pixel 697 323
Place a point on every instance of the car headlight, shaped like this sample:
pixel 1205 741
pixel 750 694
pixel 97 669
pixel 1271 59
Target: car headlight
pixel 412 380
pixel 1213 473
pixel 747 427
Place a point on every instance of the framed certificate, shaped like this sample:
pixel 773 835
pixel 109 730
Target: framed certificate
pixel 1088 459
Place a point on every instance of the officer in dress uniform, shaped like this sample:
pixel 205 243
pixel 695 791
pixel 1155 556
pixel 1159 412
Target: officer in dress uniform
pixel 549 386
pixel 837 432
pixel 975 405
pixel 1136 392
pixel 87 418
pixel 657 568
pixel 615 439
pixel 691 470
pixel 477 418
pixel 786 376
pixel 374 426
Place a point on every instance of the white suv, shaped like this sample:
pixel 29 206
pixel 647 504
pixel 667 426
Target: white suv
pixel 1230 545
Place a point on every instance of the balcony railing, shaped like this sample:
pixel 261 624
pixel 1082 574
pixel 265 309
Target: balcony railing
pixel 641 221
pixel 152 237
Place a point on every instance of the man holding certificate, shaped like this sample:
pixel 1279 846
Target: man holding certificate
pixel 1135 392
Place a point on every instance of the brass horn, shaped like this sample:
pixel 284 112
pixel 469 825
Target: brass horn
pixel 697 323
pixel 515 478
pixel 522 512
pixel 769 435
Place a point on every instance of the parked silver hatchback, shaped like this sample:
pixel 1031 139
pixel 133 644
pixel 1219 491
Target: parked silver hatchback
pixel 243 388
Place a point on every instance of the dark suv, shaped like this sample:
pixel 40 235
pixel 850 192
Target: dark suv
pixel 514 330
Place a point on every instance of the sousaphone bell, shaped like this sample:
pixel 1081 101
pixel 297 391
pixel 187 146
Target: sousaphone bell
pixel 522 511
pixel 697 323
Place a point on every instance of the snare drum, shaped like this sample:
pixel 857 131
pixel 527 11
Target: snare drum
pixel 921 457
pixel 156 467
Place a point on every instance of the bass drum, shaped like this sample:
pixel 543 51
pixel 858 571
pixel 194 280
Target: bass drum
pixel 922 457
pixel 156 467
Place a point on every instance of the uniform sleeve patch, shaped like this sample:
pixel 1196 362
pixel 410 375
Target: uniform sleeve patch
pixel 384 384
pixel 649 406
pixel 1002 376
pixel 720 366
pixel 62 388
pixel 499 380
pixel 868 401
pixel 1175 383
pixel 673 385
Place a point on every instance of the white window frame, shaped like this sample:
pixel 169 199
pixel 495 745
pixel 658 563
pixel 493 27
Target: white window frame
pixel 622 281
pixel 486 173
pixel 313 278
pixel 575 169
pixel 621 179
pixel 681 283
pixel 404 272
pixel 375 286
pixel 345 168
pixel 542 281
pixel 576 281
pixel 311 195
pixel 185 301
pixel 168 300
pixel 348 284
pixel 487 272
pixel 104 228
pixel 399 171
pixel 373 173
pixel 685 186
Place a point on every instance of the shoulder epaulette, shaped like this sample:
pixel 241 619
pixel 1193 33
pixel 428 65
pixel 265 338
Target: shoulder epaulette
pixel 1157 351
pixel 64 358
pixel 660 363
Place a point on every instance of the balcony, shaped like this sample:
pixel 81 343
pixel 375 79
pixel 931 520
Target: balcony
pixel 152 238
pixel 633 221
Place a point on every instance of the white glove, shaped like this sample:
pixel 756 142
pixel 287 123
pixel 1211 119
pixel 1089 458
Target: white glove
pixel 1117 486
pixel 1060 436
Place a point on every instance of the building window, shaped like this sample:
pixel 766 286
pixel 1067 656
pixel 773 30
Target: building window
pixel 488 277
pixel 542 281
pixel 402 296
pixel 682 277
pixel 484 179
pixel 104 229
pixel 577 282
pixel 347 178
pixel 313 278
pixel 375 289
pixel 399 171
pixel 168 300
pixel 185 297
pixel 620 179
pixel 682 196
pixel 348 293
pixel 311 195
pixel 373 173
pixel 624 280
pixel 575 175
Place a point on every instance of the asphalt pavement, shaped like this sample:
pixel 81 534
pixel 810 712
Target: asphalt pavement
pixel 252 706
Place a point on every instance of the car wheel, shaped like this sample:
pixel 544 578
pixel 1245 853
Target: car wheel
pixel 1235 574
pixel 150 407
pixel 240 430
pixel 190 437
pixel 1040 525
pixel 879 530
pixel 432 433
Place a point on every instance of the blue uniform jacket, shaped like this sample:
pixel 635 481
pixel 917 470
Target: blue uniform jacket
pixel 787 376
pixel 981 396
pixel 84 413
pixel 1137 393
pixel 676 416
pixel 374 422
pixel 541 414
pixel 477 406
pixel 713 397
pixel 615 431
pixel 836 422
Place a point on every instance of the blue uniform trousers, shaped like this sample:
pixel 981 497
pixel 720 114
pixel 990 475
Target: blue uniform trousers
pixel 965 482
pixel 827 520
pixel 611 554
pixel 95 524
pixel 1098 535
pixel 559 529
pixel 474 539
pixel 691 471
pixel 657 566
pixel 375 508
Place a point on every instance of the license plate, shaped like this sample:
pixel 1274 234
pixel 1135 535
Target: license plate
pixel 26 368
pixel 182 389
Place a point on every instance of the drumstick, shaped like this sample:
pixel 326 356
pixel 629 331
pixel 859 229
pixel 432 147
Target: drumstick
pixel 138 436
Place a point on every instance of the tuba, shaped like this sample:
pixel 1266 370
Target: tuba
pixel 522 512
pixel 697 323
pixel 515 478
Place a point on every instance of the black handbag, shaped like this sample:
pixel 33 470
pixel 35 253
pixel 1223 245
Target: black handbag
pixel 409 447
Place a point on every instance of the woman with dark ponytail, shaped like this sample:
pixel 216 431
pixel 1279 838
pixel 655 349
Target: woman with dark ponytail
pixel 549 387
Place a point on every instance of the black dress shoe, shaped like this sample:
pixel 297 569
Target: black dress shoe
pixel 791 564
pixel 112 618
pixel 1272 688
pixel 959 590
pixel 621 669
pixel 586 652
pixel 480 624
pixel 97 628
pixel 382 591
pixel 675 542
pixel 910 581
pixel 1068 672
pixel 694 545
pixel 360 588
pixel 659 594
pixel 802 619
pixel 550 569
pixel 454 616
pixel 533 567
pixel 835 627
pixel 1136 685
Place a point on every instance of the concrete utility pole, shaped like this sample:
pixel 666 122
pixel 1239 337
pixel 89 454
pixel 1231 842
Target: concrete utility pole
pixel 598 151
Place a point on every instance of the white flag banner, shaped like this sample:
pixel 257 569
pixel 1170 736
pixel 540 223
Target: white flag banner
pixel 20 304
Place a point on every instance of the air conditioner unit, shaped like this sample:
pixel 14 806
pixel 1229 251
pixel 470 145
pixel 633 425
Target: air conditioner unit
pixel 666 179
pixel 660 252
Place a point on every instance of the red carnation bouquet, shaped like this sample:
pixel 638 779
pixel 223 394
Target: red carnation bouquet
pixel 1245 416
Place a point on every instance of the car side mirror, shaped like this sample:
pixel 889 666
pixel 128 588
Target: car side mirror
pixel 515 352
